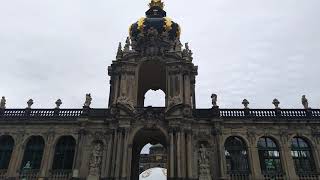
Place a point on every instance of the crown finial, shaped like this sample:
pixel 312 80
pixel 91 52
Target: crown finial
pixel 156 3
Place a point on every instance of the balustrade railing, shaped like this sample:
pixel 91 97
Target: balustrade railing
pixel 273 176
pixel 3 173
pixel 60 175
pixel 30 174
pixel 199 113
pixel 309 176
pixel 239 175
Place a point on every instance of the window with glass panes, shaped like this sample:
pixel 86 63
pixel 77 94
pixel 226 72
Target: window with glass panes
pixel 6 147
pixel 236 155
pixel 64 153
pixel 301 153
pixel 269 155
pixel 33 152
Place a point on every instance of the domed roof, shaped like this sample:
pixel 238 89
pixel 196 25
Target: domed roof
pixel 154 174
pixel 154 27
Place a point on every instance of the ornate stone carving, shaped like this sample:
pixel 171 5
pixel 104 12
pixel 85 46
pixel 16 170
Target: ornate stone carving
pixel 126 48
pixel 3 103
pixel 173 101
pixel 123 100
pixel 204 166
pixel 276 103
pixel 304 102
pixel 119 52
pixel 87 103
pixel 187 53
pixel 214 99
pixel 245 103
pixel 58 103
pixel 30 103
pixel 96 159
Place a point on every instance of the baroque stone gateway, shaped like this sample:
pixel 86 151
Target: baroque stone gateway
pixel 198 144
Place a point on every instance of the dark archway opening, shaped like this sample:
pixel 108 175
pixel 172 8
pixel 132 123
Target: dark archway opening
pixel 152 76
pixel 142 138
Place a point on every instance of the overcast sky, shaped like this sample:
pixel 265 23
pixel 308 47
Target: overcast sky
pixel 254 49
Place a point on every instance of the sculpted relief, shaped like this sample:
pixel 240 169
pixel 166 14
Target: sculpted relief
pixel 96 159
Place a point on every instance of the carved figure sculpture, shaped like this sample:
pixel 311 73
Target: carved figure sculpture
pixel 276 103
pixel 96 160
pixel 87 103
pixel 3 103
pixel 214 98
pixel 30 103
pixel 245 102
pixel 204 167
pixel 305 102
pixel 58 103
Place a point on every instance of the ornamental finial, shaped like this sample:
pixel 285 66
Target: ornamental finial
pixel 156 3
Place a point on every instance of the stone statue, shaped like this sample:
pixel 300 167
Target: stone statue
pixel 204 166
pixel 87 103
pixel 245 102
pixel 30 103
pixel 119 52
pixel 58 103
pixel 3 103
pixel 214 98
pixel 276 103
pixel 304 101
pixel 127 46
pixel 96 160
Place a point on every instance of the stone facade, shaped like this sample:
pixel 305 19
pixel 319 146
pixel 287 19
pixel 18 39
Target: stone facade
pixel 200 144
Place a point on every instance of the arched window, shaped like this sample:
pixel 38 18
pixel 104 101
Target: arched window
pixel 302 155
pixel 269 156
pixel 64 153
pixel 236 155
pixel 6 147
pixel 33 152
pixel 155 98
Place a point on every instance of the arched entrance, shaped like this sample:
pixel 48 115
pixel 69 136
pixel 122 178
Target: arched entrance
pixel 144 136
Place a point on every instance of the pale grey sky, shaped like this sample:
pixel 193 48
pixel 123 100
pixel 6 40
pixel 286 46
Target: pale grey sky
pixel 254 49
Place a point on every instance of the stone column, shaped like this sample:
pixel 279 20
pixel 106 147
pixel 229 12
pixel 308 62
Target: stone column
pixel 16 158
pixel 125 155
pixel 171 159
pixel 254 162
pixel 183 155
pixel 187 90
pixel 222 159
pixel 119 154
pixel 178 155
pixel 189 155
pixel 287 161
pixel 106 171
pixel 79 150
pixel 114 154
pixel 47 157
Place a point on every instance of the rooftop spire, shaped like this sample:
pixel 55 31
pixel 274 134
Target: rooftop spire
pixel 156 3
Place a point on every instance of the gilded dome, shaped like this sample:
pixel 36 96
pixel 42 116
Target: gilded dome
pixel 155 26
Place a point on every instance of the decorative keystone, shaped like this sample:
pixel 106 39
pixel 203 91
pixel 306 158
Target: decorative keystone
pixel 30 103
pixel 305 102
pixel 245 102
pixel 58 103
pixel 276 103
pixel 3 103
